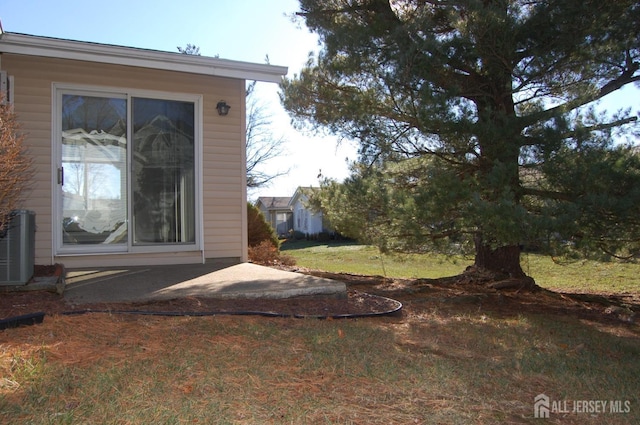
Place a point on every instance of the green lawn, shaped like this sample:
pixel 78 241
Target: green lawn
pixel 367 260
pixel 588 276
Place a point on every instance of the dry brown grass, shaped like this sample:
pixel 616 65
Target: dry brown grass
pixel 457 355
pixel 441 362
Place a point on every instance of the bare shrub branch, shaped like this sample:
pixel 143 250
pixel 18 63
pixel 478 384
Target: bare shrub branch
pixel 15 163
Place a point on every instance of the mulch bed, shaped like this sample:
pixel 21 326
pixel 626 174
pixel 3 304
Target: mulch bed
pixel 367 295
pixel 355 304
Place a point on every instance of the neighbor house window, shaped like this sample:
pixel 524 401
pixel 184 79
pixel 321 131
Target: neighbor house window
pixel 127 171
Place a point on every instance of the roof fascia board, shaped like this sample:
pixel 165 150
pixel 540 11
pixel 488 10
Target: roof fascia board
pixel 129 56
pixel 296 195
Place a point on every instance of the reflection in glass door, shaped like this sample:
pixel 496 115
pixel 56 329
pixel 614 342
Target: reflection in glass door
pixel 93 176
pixel 127 173
pixel 163 172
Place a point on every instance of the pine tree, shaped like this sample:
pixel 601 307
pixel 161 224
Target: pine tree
pixel 476 122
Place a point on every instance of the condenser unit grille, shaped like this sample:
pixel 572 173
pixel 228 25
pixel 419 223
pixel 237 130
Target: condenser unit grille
pixel 17 249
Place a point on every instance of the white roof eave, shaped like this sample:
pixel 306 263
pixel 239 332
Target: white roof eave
pixel 119 55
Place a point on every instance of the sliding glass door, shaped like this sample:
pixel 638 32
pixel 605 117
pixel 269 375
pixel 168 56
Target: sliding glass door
pixel 93 172
pixel 163 177
pixel 127 174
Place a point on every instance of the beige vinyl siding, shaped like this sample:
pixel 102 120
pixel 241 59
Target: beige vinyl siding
pixel 223 202
pixel 121 260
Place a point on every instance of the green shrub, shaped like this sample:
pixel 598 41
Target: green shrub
pixel 258 228
pixel 297 235
pixel 324 237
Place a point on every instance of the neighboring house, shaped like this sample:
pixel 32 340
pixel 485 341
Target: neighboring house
pixel 277 212
pixel 135 162
pixel 305 219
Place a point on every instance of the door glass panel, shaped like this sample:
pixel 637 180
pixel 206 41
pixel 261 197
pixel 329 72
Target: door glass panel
pixel 163 172
pixel 94 173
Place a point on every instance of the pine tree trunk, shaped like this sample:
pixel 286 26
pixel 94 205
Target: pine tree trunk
pixel 503 261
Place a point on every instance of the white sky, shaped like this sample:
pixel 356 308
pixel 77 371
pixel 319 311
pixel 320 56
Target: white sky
pixel 244 30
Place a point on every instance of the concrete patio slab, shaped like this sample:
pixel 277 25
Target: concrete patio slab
pixel 218 279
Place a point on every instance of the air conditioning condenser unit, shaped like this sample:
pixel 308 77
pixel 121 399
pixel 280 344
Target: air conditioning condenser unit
pixel 17 248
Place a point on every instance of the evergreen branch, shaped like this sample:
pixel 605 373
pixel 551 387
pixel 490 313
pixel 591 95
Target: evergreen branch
pixel 604 126
pixel 546 194
pixel 607 251
pixel 534 141
pixel 623 79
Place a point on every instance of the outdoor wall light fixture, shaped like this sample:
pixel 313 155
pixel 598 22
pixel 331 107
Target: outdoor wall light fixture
pixel 223 108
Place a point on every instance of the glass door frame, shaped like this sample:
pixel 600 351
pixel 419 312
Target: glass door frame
pixel 59 248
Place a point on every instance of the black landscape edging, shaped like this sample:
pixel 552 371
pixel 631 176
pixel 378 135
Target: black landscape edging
pixel 36 318
pixel 26 319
